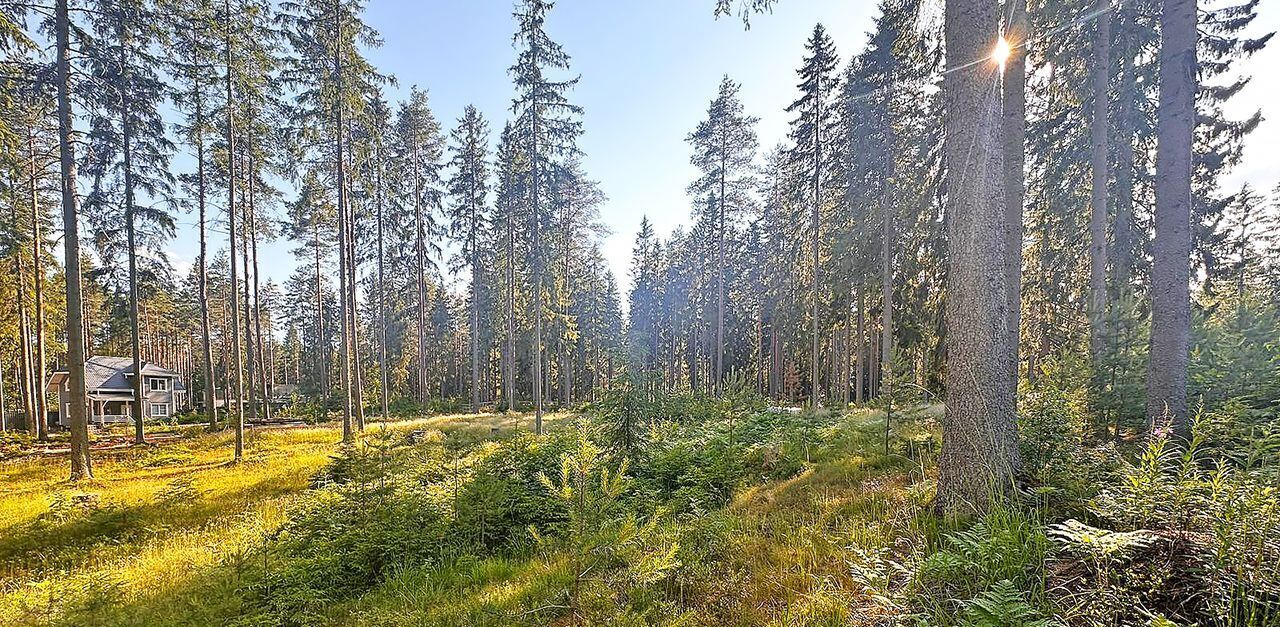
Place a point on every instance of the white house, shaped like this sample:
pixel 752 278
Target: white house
pixel 109 384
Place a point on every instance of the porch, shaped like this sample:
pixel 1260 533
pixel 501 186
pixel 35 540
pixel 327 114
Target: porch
pixel 108 408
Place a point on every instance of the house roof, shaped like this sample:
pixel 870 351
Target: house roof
pixel 115 373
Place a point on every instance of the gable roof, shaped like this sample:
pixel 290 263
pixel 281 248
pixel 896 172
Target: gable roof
pixel 116 373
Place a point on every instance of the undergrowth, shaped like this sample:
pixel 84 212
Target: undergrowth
pixel 652 510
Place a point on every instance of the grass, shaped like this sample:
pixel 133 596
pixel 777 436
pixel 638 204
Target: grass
pixel 159 524
pixel 167 535
pixel 798 551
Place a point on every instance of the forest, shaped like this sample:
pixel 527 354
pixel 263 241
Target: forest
pixel 990 339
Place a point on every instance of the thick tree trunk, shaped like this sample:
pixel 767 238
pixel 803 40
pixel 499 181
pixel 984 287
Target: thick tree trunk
pixel 78 403
pixel 37 274
pixel 202 279
pixel 1097 304
pixel 1014 128
pixel 1122 246
pixel 233 299
pixel 1171 248
pixel 979 455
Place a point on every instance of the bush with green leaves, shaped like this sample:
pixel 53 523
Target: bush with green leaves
pixel 1061 462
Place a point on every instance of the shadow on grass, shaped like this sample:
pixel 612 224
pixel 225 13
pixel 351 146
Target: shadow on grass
pixel 68 534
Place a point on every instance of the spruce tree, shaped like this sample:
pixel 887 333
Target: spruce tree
pixel 130 157
pixel 724 150
pixel 419 151
pixel 509 206
pixel 979 455
pixel 813 135
pixel 78 402
pixel 1171 248
pixel 547 125
pixel 469 218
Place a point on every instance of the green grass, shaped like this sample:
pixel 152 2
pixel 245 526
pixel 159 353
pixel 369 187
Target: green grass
pixel 173 535
pixel 162 533
pixel 781 553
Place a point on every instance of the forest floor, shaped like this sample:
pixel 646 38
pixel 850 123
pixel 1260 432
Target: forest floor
pixel 165 532
pixel 757 517
pixel 163 519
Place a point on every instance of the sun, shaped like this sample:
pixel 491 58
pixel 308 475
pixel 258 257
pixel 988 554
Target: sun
pixel 1002 52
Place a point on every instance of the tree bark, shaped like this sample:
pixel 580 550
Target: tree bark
pixel 37 273
pixel 1171 248
pixel 536 245
pixel 25 379
pixel 353 271
pixel 78 403
pixel 475 324
pixel 1097 307
pixel 4 407
pixel 720 266
pixel 979 455
pixel 250 306
pixel 886 283
pixel 509 386
pixel 263 341
pixel 233 299
pixel 322 341
pixel 343 261
pixel 1014 128
pixel 815 394
pixel 1122 247
pixel 202 280
pixel 135 339
pixel 382 290
pixel 861 374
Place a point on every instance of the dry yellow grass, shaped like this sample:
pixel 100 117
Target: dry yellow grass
pixel 159 523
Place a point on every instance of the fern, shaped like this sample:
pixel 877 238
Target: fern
pixel 1100 545
pixel 1002 606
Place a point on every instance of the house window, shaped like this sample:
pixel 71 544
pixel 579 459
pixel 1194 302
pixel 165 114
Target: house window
pixel 159 410
pixel 159 385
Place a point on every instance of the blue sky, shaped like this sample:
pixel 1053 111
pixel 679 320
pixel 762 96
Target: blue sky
pixel 648 69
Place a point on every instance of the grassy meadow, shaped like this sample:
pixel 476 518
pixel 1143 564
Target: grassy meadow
pixel 163 533
pixel 746 516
